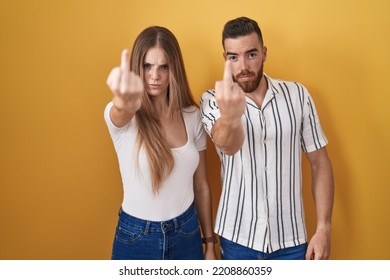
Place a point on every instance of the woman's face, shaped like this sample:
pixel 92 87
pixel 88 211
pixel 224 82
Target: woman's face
pixel 156 72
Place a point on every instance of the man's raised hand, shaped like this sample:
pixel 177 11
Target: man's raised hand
pixel 229 96
pixel 228 133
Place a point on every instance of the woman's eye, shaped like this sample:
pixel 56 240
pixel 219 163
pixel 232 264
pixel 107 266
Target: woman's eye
pixel 147 66
pixel 164 67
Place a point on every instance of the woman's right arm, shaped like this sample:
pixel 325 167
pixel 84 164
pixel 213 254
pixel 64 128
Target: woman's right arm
pixel 127 88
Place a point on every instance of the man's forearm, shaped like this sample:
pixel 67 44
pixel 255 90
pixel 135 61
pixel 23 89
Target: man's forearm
pixel 228 135
pixel 323 187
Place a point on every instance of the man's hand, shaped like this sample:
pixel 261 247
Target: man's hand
pixel 319 246
pixel 228 133
pixel 229 96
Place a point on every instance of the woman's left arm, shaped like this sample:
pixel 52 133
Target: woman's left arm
pixel 202 197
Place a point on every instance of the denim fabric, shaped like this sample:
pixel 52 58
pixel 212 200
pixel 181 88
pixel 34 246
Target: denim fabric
pixel 176 239
pixel 234 251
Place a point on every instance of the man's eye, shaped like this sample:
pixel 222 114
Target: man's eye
pixel 233 58
pixel 252 55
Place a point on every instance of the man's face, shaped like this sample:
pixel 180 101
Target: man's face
pixel 247 56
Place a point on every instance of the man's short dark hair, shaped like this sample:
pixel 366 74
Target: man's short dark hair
pixel 241 26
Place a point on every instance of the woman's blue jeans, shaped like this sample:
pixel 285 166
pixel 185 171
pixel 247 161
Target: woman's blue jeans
pixel 176 239
pixel 234 251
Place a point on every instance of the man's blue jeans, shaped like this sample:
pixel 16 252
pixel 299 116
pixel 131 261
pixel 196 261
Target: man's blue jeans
pixel 234 251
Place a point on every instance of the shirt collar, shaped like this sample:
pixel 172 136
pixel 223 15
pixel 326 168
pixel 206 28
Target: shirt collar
pixel 271 85
pixel 271 91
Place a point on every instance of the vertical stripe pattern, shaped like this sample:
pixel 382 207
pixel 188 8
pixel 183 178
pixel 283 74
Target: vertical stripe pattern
pixel 261 201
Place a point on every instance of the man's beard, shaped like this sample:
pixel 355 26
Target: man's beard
pixel 249 86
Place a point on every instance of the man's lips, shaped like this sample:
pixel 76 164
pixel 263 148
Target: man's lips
pixel 245 77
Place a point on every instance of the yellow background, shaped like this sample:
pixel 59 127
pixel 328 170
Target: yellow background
pixel 60 186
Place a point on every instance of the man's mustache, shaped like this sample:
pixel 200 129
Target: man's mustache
pixel 245 73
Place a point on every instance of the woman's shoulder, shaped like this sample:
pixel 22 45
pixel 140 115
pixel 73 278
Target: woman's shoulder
pixel 191 112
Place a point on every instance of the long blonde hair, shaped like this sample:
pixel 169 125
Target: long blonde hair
pixel 150 134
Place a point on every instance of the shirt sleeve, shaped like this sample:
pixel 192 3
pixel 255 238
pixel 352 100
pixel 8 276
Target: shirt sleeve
pixel 200 135
pixel 313 137
pixel 114 130
pixel 209 110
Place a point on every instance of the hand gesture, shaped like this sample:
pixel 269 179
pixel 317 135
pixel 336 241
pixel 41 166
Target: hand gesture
pixel 127 87
pixel 229 96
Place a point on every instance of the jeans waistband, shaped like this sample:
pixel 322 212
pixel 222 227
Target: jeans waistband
pixel 165 226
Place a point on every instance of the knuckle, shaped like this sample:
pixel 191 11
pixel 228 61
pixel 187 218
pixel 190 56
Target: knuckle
pixel 123 90
pixel 114 87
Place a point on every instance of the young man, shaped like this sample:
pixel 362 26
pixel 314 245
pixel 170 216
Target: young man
pixel 259 126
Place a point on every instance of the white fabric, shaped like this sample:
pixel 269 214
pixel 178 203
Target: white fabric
pixel 176 193
pixel 261 203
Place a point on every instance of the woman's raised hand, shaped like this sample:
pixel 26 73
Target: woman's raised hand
pixel 126 86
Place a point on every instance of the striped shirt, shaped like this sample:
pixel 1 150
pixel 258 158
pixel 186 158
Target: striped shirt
pixel 261 203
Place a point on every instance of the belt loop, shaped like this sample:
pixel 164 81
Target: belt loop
pixel 176 224
pixel 147 226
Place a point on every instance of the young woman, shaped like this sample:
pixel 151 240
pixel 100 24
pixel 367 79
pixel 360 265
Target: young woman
pixel 157 133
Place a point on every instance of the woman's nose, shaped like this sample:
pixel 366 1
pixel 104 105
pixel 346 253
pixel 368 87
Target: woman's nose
pixel 154 74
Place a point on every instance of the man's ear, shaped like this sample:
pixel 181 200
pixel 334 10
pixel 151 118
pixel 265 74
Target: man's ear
pixel 264 53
